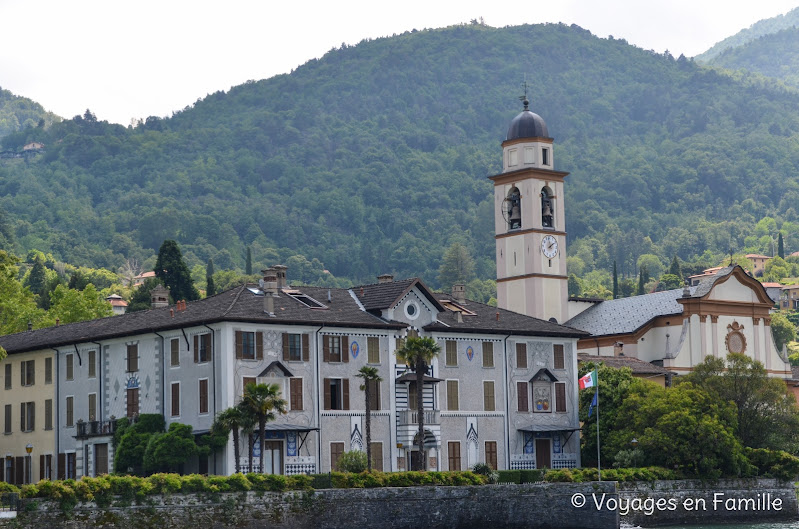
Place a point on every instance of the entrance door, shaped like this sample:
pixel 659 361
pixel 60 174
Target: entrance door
pixel 100 459
pixel 543 456
pixel 273 457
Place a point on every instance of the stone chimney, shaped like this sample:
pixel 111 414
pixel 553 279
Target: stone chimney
pixel 159 297
pixel 459 293
pixel 385 278
pixel 280 270
pixel 270 289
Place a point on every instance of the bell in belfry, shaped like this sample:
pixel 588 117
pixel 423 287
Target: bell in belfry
pixel 515 215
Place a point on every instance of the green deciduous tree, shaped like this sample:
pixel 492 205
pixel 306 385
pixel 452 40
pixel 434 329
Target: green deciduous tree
pixel 131 440
pixel 71 306
pixel 167 452
pixel 172 270
pixel 782 330
pixel 418 353
pixel 17 303
pixel 370 376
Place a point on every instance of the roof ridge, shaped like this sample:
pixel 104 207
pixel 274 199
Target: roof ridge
pixel 233 303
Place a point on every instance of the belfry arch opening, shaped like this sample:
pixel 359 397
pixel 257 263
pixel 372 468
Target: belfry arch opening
pixel 513 209
pixel 547 208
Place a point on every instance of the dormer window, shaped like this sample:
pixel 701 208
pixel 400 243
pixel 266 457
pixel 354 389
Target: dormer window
pixel 547 208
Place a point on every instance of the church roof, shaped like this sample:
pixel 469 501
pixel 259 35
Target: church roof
pixel 638 367
pixel 527 125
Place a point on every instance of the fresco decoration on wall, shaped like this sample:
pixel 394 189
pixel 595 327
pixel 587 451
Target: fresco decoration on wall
pixel 355 349
pixel 542 396
pixel 291 444
pixel 469 353
pixel 132 383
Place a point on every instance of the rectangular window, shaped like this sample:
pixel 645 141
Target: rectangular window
pixel 48 370
pixel 529 157
pixel 488 354
pixel 246 381
pixel 249 345
pixel 512 158
pixel 70 371
pixel 92 364
pixel 204 395
pixel 545 156
pixel 336 451
pixel 373 345
pixel 400 343
pixel 48 414
pixel 7 427
pixel 558 360
pixel 132 402
pixel 8 376
pixel 454 455
pixel 412 402
pixel 451 358
pixel 202 346
pixel 488 395
pixel 71 466
pixel 560 397
pixel 133 358
pixel 174 352
pixel 27 416
pixel 337 393
pixel 295 394
pixel 70 409
pixel 27 373
pixel 175 399
pixel 491 454
pixel 292 347
pixel 521 355
pixel 523 401
pixel 92 406
pixel 374 394
pixel 335 349
pixel 377 456
pixel 452 395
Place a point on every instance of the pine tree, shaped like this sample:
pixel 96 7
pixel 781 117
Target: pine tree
pixel 457 266
pixel 248 266
pixel 641 282
pixel 675 269
pixel 780 247
pixel 615 282
pixel 210 289
pixel 173 271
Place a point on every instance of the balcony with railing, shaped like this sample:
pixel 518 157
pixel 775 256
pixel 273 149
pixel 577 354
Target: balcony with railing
pixel 410 417
pixel 84 430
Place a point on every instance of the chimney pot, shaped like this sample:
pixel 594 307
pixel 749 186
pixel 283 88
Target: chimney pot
pixel 459 292
pixel 280 271
pixel 172 313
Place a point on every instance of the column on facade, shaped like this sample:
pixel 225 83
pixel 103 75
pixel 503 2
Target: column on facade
pixel 694 339
pixel 758 352
pixel 704 329
pixel 714 333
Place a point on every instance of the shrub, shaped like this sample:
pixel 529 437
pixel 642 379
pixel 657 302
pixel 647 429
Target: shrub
pixel 353 461
pixel 195 483
pixel 321 481
pixel 509 476
pixel 531 476
pixel 484 469
pixel 165 483
pixel 774 463
pixel 8 487
pixel 299 482
pixel 268 482
pixel 558 476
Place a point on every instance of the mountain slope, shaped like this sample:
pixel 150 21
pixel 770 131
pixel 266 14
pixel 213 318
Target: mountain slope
pixel 774 55
pixel 374 159
pixel 18 112
pixel 759 29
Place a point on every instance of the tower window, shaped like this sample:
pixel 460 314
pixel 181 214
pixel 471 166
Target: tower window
pixel 545 156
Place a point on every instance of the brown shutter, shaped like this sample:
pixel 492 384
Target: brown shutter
pixel 560 397
pixel 196 349
pixel 345 350
pixel 559 362
pixel 305 348
pixel 521 355
pixel 33 416
pixel 62 466
pixel 239 345
pixel 296 393
pixel 19 470
pixel 22 417
pixel 41 467
pixel 521 389
pixel 326 384
pixel 32 379
pixel 326 349
pixel 285 347
pixel 22 373
pixel 346 392
pixel 259 345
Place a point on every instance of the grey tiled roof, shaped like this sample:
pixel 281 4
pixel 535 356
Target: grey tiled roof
pixel 626 315
pixel 379 296
pixel 638 367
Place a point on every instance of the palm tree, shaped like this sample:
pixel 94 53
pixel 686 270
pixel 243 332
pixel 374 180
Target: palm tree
pixel 263 400
pixel 418 353
pixel 368 374
pixel 231 420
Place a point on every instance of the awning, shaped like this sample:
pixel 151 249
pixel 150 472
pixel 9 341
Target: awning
pixel 411 377
pixel 274 427
pixel 541 428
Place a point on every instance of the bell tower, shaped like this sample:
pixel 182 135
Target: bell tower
pixel 530 223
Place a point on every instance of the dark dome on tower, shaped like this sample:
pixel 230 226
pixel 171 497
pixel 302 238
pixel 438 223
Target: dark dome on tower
pixel 527 125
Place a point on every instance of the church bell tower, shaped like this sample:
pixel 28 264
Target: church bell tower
pixel 530 223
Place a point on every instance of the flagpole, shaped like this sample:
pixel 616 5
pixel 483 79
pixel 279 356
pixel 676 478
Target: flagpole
pixel 598 464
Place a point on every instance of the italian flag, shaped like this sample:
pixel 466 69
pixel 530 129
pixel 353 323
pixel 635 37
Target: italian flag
pixel 589 380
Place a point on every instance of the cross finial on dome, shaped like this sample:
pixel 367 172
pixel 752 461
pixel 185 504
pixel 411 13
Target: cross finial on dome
pixel 524 97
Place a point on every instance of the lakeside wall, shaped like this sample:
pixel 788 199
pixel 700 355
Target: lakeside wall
pixel 536 506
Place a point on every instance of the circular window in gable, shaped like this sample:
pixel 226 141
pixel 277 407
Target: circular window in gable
pixel 412 310
pixel 736 341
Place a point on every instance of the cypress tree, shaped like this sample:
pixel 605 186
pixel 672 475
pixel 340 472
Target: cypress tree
pixel 615 282
pixel 173 271
pixel 675 269
pixel 248 266
pixel 210 288
pixel 641 282
pixel 780 247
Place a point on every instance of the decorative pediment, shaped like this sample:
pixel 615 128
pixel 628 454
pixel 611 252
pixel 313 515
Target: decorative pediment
pixel 544 375
pixel 275 369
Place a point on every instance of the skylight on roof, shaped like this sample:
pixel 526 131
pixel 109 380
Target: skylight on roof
pixel 306 300
pixel 456 307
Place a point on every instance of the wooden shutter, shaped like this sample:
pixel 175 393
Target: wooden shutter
pixel 488 395
pixel 454 453
pixel 306 346
pixel 521 389
pixel 204 396
pixel 377 456
pixel 373 344
pixel 32 379
pixel 48 414
pixel 197 347
pixel 175 400
pixel 285 347
pixel 326 349
pixel 41 467
pixel 239 346
pixel 345 350
pixel 326 385
pixel 452 395
pixel 19 470
pixel 259 345
pixel 521 355
pixel 7 428
pixel 22 417
pixel 32 425
pixel 558 359
pixel 62 466
pixel 48 370
pixel 491 454
pixel 488 354
pixel 374 392
pixel 22 373
pixel 295 390
pixel 345 383
pixel 451 357
pixel 560 397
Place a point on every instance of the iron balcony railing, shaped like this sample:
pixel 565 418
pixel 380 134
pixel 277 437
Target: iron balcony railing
pixel 95 428
pixel 411 417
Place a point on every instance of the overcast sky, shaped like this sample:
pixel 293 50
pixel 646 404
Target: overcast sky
pixel 125 59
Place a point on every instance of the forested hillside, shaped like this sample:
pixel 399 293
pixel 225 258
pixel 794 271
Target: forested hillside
pixel 17 113
pixel 758 29
pixel 774 55
pixel 374 159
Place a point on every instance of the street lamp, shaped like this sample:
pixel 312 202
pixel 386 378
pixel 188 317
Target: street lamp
pixel 634 442
pixel 29 449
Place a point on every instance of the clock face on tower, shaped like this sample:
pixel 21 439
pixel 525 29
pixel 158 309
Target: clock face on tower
pixel 549 246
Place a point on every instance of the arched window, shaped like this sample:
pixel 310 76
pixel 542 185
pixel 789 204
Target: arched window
pixel 512 209
pixel 547 208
